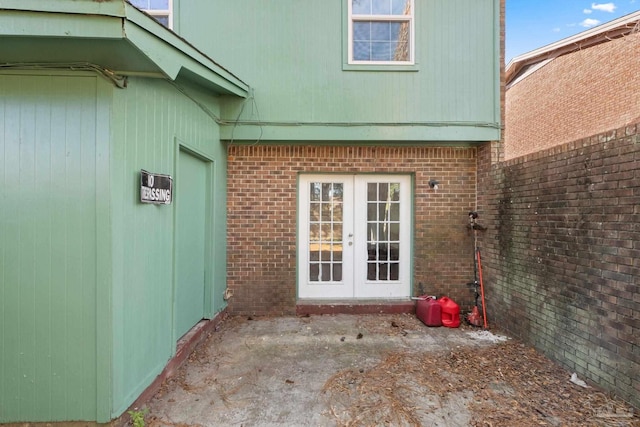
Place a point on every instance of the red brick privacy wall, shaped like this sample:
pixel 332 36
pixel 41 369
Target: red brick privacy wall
pixel 575 96
pixel 562 254
pixel 262 217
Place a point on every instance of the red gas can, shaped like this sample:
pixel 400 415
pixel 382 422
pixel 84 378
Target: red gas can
pixel 429 311
pixel 450 312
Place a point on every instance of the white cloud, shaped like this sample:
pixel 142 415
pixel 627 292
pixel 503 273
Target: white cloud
pixel 588 23
pixel 556 30
pixel 604 7
pixel 587 11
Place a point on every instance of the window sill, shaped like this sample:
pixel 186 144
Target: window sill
pixel 379 67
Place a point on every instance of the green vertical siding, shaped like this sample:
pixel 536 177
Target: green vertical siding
pixel 149 119
pixel 86 270
pixel 48 264
pixel 291 52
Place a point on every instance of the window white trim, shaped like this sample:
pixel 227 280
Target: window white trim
pixel 410 19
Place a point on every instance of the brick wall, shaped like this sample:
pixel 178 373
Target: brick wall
pixel 262 217
pixel 574 96
pixel 562 254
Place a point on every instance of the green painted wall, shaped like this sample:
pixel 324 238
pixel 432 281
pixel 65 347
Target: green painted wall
pixel 50 188
pixel 150 119
pixel 291 52
pixel 86 270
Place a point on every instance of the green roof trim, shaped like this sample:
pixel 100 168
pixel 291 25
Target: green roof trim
pixel 111 34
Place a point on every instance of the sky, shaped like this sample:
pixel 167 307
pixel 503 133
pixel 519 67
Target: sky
pixel 532 24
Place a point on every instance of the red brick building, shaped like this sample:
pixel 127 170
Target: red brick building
pixel 575 88
pixel 561 253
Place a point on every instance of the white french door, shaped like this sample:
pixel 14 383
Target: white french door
pixel 354 236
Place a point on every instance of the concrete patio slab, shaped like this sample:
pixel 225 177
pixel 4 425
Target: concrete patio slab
pixel 275 371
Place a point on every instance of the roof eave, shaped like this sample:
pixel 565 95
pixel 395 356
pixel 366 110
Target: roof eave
pixel 114 26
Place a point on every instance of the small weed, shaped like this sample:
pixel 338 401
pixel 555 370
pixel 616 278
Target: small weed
pixel 137 417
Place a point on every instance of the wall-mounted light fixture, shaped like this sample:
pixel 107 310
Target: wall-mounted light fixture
pixel 433 184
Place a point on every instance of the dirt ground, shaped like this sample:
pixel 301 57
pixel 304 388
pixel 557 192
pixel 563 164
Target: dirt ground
pixel 373 370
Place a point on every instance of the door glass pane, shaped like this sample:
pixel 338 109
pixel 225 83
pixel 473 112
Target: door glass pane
pixel 325 231
pixel 314 232
pixel 314 211
pixel 383 229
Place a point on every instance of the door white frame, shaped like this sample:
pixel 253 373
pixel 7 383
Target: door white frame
pixel 340 255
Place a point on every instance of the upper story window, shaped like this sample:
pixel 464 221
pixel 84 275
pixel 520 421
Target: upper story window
pixel 381 32
pixel 159 9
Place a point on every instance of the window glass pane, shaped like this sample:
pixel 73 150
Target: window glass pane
pixel 337 272
pixel 361 7
pixel 396 29
pixel 371 211
pixel 326 232
pixel 327 191
pixel 314 212
pixel 361 31
pixel 395 191
pixel 314 252
pixel 372 192
pixel 314 232
pixel 395 212
pixel 394 252
pixel 362 51
pixel 337 232
pixel 380 51
pixel 381 40
pixel 314 191
pixel 383 235
pixel 382 271
pixel 381 7
pixel 164 20
pixel 394 271
pixel 394 232
pixel 325 272
pixel 326 212
pixel 338 192
pixel 337 253
pixel 372 235
pixel 401 7
pixel 372 273
pixel 159 4
pixel 314 270
pixel 383 191
pixel 380 31
pixel 401 52
pixel 140 4
pixel 325 253
pixel 382 208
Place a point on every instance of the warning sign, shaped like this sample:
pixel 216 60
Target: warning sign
pixel 155 188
